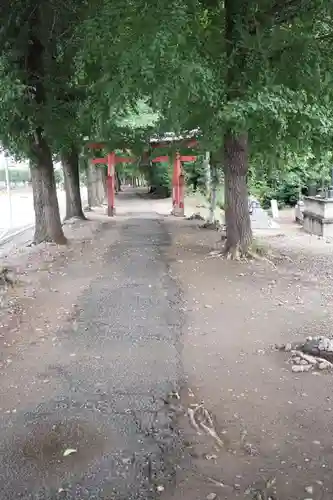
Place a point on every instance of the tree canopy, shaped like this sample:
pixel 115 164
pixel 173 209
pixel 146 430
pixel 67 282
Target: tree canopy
pixel 253 76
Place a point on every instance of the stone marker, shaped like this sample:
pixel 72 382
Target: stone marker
pixel 259 217
pixel 275 209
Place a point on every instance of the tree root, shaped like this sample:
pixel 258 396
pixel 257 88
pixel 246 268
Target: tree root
pixel 252 253
pixel 214 225
pixel 260 258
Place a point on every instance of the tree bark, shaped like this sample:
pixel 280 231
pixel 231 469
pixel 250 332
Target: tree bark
pixel 70 165
pixel 104 176
pixel 237 216
pixel 118 182
pixel 47 218
pixel 100 188
pixel 92 185
pixel 213 192
pixel 208 179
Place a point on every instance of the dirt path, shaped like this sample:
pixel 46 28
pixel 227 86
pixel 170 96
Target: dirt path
pixel 97 351
pixel 101 338
pixel 275 424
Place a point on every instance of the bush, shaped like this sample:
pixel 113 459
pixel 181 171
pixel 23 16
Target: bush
pixel 159 179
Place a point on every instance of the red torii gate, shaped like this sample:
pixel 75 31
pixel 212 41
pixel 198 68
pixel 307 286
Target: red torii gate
pixel 178 193
pixel 111 160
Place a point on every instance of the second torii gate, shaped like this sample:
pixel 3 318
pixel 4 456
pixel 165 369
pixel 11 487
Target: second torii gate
pixel 111 160
pixel 178 193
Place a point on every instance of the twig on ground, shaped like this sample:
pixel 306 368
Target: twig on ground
pixel 190 413
pixel 196 421
pixel 213 434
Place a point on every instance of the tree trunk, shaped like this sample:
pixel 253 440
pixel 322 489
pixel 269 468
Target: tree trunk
pixel 47 218
pixel 100 189
pixel 118 182
pixel 208 179
pixel 91 185
pixel 104 176
pixel 70 165
pixel 237 216
pixel 213 176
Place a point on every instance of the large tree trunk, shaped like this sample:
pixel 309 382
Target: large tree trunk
pixel 70 165
pixel 47 218
pixel 237 216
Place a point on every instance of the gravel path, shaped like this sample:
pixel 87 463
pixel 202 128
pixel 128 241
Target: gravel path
pixel 107 377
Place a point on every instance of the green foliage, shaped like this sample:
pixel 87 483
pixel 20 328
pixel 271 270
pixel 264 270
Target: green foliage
pixel 159 177
pixel 195 175
pixel 16 175
pixel 286 178
pixel 120 72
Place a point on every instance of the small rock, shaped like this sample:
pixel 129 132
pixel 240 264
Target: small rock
pixel 309 489
pixel 310 359
pixel 211 496
pixel 324 365
pixel 160 488
pixel 288 347
pixel 301 368
pixel 69 451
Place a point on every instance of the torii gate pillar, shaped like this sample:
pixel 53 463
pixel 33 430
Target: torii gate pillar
pixel 176 209
pixel 110 184
pixel 111 160
pixel 178 182
pixel 178 185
